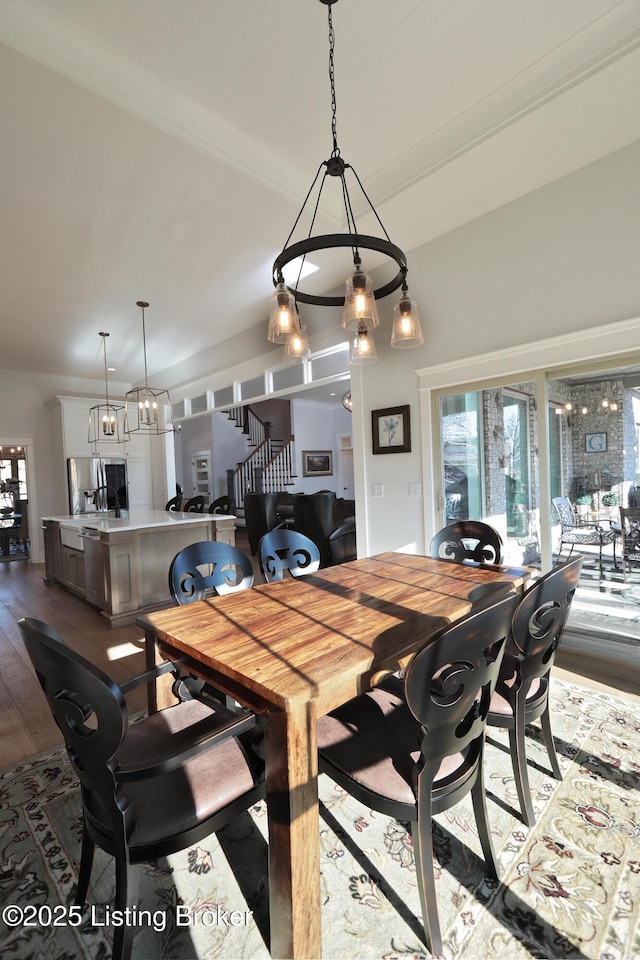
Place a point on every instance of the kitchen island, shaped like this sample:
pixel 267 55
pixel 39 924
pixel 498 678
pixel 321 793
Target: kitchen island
pixel 121 564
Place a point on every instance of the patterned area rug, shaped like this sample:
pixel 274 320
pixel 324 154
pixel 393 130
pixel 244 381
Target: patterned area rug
pixel 570 886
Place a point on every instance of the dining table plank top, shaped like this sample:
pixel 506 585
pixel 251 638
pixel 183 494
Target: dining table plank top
pixel 297 649
pixel 289 640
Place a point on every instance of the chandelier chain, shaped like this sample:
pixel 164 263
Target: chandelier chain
pixel 106 382
pixel 332 79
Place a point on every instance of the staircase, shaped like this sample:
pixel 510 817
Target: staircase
pixel 268 467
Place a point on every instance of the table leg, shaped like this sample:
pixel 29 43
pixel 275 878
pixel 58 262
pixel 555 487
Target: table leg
pixel 159 693
pixel 294 845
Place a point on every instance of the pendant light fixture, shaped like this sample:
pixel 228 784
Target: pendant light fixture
pixel 148 409
pixel 106 419
pixel 360 311
pixel 296 348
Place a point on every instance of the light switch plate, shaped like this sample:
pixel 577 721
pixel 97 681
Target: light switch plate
pixel 414 490
pixel 377 490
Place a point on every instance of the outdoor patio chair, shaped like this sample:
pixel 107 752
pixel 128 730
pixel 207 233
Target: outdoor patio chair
pixel 630 534
pixel 574 532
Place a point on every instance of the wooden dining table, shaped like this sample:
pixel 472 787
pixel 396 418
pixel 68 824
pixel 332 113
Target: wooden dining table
pixel 295 650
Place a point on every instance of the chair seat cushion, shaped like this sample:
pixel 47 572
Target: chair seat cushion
pixel 590 536
pixel 376 741
pixel 196 790
pixel 502 707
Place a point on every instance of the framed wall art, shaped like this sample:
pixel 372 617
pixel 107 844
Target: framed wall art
pixel 596 443
pixel 391 430
pixel 317 463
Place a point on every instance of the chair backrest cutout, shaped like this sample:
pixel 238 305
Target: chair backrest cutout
pixel 450 681
pixel 281 550
pixel 468 541
pixel 208 565
pixel 87 706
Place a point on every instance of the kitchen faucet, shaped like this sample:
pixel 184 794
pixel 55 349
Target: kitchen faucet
pixel 107 488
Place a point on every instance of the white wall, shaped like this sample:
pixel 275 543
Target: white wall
pixel 315 427
pixel 25 416
pixel 562 259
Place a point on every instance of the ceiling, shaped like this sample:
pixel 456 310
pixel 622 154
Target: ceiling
pixel 158 150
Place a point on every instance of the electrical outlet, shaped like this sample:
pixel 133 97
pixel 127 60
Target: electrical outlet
pixel 414 490
pixel 377 490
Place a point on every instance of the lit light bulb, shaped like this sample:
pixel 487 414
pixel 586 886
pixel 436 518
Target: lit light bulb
pixel 284 320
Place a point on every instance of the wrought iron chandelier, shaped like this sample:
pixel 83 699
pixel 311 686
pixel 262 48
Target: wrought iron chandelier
pixel 106 419
pixel 360 312
pixel 148 409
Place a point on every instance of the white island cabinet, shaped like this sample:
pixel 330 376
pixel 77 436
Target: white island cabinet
pixel 121 564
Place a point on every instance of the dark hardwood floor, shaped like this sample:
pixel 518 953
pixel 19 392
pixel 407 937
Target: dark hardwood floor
pixel 25 720
pixel 26 723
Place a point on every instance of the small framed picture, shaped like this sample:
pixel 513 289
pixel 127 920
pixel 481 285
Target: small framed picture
pixel 391 430
pixel 596 443
pixel 317 463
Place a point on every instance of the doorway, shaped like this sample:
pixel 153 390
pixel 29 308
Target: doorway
pixel 487 454
pixel 14 500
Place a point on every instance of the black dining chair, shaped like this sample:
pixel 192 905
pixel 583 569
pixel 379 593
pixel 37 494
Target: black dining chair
pixel 208 566
pixel 223 505
pixel 413 747
pixel 522 691
pixel 468 541
pixel 194 505
pixel 148 789
pixel 282 549
pixel 173 505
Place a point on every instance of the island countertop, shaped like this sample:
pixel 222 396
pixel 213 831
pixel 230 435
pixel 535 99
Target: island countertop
pixel 121 564
pixel 137 518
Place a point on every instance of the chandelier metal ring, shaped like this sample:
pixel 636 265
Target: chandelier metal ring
pixel 334 240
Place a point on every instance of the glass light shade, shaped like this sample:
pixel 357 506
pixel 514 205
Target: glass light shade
pixel 106 420
pixel 347 401
pixel 406 331
pixel 106 423
pixel 363 348
pixel 283 318
pixel 360 309
pixel 148 411
pixel 296 348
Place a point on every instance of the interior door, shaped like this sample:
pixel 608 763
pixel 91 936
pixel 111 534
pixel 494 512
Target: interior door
pixel 345 451
pixel 201 474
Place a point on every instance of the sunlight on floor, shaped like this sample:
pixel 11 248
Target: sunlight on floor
pixel 123 650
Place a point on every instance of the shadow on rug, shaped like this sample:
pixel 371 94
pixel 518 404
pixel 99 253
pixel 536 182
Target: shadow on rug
pixel 570 886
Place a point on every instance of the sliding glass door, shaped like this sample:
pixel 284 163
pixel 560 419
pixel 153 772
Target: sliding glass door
pixel 489 464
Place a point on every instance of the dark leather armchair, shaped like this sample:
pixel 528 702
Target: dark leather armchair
pixel 318 516
pixel 342 543
pixel 260 516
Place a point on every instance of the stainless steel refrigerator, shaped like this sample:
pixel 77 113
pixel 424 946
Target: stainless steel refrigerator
pixel 88 474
